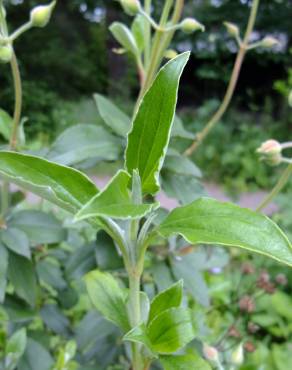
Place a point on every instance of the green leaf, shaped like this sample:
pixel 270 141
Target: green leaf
pixel 282 303
pixel 40 227
pixel 185 189
pixel 138 30
pixel 82 142
pixel 63 186
pixel 193 279
pixel 149 137
pixel 107 297
pixel 3 271
pixel 179 164
pixel 139 335
pixel 171 330
pixel 184 362
pixel 178 130
pixel 115 119
pixel 5 124
pixel 17 241
pixel 16 343
pixel 115 201
pixel 208 221
pixel 171 297
pixel 22 276
pixel 36 357
pixel 125 37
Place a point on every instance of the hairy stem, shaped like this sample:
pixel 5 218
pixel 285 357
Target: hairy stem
pixel 232 83
pixel 135 315
pixel 277 188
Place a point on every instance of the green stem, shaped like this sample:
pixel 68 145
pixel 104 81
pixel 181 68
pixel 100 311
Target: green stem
pixel 135 315
pixel 14 133
pixel 155 58
pixel 18 102
pixel 232 83
pixel 20 31
pixel 147 30
pixel 277 188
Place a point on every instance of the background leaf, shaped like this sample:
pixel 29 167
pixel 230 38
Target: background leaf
pixel 149 137
pixel 3 271
pixel 107 297
pixel 83 142
pixel 184 362
pixel 17 241
pixel 22 276
pixel 112 116
pixel 209 221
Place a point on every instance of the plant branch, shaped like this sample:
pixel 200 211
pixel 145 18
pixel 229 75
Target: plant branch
pixel 232 83
pixel 277 188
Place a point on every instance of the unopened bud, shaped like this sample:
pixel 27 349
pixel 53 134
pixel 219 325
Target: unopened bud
pixel 249 347
pixel 246 304
pixel 271 152
pixel 131 7
pixel 190 25
pixel 269 42
pixel 232 29
pixel 281 279
pixel 252 327
pixel 210 353
pixel 170 54
pixel 237 356
pixel 41 15
pixel 6 53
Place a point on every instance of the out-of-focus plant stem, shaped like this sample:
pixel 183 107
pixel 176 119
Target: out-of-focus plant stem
pixel 232 83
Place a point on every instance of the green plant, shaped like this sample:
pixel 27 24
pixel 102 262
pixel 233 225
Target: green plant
pixel 166 326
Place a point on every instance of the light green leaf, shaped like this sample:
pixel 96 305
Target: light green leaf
pixel 83 142
pixel 182 165
pixel 171 330
pixel 185 189
pixel 5 124
pixel 138 30
pixel 208 221
pixel 107 297
pixel 178 130
pixel 112 116
pixel 171 297
pixel 21 274
pixel 149 137
pixel 36 357
pixel 63 186
pixel 184 362
pixel 40 227
pixel 17 241
pixel 115 201
pixel 282 304
pixel 3 271
pixel 125 37
pixel 139 335
pixel 16 343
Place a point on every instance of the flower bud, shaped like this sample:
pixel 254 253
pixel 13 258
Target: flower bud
pixel 246 304
pixel 249 347
pixel 190 25
pixel 131 7
pixel 237 356
pixel 210 353
pixel 6 52
pixel 269 42
pixel 170 54
pixel 41 15
pixel 271 152
pixel 281 279
pixel 232 29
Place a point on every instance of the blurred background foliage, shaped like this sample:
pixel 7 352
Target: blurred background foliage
pixel 63 64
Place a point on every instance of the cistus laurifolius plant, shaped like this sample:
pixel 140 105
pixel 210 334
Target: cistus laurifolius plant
pixel 127 211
